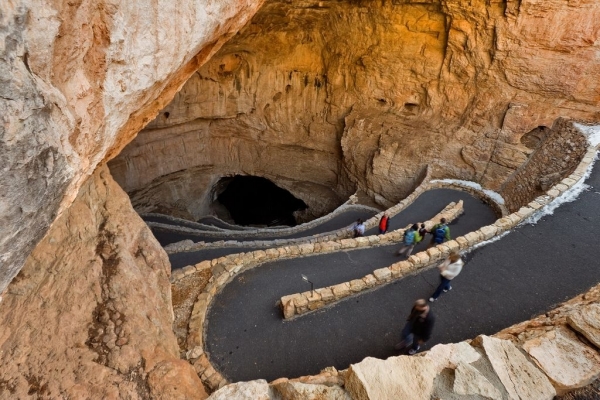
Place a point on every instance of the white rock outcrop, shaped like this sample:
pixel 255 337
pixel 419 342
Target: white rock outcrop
pixel 253 390
pixel 468 381
pixel 521 379
pixel 586 320
pixel 568 362
pixel 395 378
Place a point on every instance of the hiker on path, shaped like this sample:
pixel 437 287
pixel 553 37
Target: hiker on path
pixel 417 329
pixel 440 232
pixel 358 228
pixel 384 224
pixel 411 238
pixel 423 231
pixel 449 269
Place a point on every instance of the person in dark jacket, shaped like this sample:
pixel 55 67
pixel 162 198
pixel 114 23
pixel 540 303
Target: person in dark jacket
pixel 418 328
pixel 423 231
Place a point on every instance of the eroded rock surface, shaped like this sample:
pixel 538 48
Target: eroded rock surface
pixel 569 363
pixel 521 379
pixel 89 315
pixel 328 96
pixel 253 390
pixel 306 391
pixel 78 80
pixel 586 320
pixel 394 378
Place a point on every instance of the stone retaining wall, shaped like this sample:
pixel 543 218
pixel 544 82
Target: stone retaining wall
pixel 426 185
pixel 306 225
pixel 499 208
pixel 188 245
pixel 302 303
pixel 250 232
pixel 225 268
pixel 557 156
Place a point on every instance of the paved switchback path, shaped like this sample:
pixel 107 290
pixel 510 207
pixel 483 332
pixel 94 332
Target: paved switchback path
pixel 247 338
pixel 523 275
pixel 426 206
pixel 343 219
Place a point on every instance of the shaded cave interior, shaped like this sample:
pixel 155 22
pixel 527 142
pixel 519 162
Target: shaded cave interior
pixel 254 201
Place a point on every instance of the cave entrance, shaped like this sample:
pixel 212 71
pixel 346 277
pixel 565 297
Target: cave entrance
pixel 252 200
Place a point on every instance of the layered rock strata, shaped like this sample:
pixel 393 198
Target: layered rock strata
pixel 324 97
pixel 78 81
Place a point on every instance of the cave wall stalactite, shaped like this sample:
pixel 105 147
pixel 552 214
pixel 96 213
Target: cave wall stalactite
pixel 336 96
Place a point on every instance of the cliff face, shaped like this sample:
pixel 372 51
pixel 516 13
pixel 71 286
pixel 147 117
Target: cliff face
pixel 329 96
pixel 89 315
pixel 322 97
pixel 78 80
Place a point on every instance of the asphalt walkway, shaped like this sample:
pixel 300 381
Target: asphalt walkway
pixel 345 218
pixel 248 339
pixel 524 274
pixel 426 206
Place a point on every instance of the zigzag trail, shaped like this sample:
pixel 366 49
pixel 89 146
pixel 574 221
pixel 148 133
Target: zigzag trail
pixel 236 326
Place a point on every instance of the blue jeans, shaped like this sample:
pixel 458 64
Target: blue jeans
pixel 408 338
pixel 407 249
pixel 444 285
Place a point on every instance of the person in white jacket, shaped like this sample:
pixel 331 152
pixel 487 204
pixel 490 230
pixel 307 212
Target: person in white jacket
pixel 449 269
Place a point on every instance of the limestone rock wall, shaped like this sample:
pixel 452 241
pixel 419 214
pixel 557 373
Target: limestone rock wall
pixel 78 80
pixel 89 315
pixel 347 94
pixel 556 155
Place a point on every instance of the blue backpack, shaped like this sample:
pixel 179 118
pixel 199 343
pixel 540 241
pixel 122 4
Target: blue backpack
pixel 409 237
pixel 440 234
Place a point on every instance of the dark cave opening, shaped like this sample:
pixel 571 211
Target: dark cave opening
pixel 252 200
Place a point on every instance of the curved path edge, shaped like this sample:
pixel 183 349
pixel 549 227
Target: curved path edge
pixel 297 304
pixel 189 245
pixel 225 268
pixel 426 185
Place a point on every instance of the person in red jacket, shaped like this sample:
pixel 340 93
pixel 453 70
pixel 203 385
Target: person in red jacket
pixel 384 224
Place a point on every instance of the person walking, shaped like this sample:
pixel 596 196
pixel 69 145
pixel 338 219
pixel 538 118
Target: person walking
pixel 411 238
pixel 440 232
pixel 418 328
pixel 358 228
pixel 449 269
pixel 423 231
pixel 384 223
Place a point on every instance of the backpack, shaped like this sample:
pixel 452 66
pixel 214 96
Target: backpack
pixel 418 237
pixel 439 234
pixel 383 224
pixel 409 237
